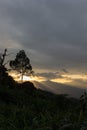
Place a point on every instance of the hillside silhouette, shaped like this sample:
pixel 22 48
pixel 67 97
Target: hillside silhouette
pixel 23 106
pixel 26 107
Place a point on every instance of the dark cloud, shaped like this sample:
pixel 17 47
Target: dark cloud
pixel 49 75
pixel 53 31
pixel 65 70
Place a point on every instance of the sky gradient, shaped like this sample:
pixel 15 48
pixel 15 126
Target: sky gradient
pixel 52 32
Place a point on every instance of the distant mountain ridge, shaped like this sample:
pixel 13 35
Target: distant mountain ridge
pixel 59 88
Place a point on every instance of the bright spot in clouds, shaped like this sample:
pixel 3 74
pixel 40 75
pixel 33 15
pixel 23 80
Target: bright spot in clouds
pixel 32 78
pixel 17 77
pixel 27 78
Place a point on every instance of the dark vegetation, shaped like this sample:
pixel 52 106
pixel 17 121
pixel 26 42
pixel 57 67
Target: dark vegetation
pixel 23 107
pixel 21 64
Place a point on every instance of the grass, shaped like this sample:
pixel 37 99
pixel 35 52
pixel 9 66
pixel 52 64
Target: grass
pixel 25 109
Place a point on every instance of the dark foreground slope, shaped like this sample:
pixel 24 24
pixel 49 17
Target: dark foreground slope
pixel 24 107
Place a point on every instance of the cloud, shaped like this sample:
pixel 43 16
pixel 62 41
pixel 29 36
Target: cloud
pixel 65 70
pixel 79 83
pixel 56 31
pixel 49 75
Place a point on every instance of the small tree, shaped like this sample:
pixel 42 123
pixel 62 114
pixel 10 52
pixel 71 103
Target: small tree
pixel 3 69
pixel 21 64
pixel 2 57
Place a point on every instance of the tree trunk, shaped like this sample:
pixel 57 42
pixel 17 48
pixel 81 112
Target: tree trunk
pixel 21 77
pixel 22 74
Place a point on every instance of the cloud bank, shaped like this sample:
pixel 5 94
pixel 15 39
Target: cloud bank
pixel 53 32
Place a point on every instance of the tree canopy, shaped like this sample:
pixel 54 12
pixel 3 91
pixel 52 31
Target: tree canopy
pixel 21 64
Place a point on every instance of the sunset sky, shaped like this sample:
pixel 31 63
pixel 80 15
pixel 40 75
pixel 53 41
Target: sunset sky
pixel 53 34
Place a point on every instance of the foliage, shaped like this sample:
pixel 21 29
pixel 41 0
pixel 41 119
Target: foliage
pixel 21 64
pixel 26 109
pixel 3 69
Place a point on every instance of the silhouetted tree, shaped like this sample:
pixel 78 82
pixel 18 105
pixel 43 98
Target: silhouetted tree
pixel 21 64
pixel 3 70
pixel 2 57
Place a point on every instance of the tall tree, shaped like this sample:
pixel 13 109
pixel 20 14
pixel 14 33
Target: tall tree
pixel 21 64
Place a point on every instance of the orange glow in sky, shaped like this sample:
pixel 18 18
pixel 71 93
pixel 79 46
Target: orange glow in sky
pixel 66 78
pixel 33 78
pixel 62 80
pixel 17 77
pixel 76 76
